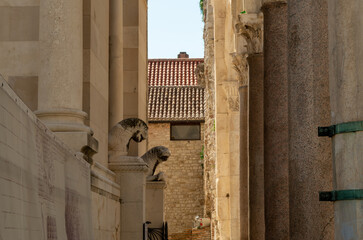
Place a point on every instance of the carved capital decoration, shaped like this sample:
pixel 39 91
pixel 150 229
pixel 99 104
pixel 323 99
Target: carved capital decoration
pixel 240 64
pixel 250 27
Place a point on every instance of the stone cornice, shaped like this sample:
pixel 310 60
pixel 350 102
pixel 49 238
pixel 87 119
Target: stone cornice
pixel 128 167
pixel 128 164
pixel 273 2
pixel 155 184
pixel 250 27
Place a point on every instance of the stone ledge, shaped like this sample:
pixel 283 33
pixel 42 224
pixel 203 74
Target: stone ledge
pixel 156 184
pixel 103 185
pixel 128 164
pixel 106 194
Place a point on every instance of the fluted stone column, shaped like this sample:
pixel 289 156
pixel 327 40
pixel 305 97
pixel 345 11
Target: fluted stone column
pixel 250 27
pixel 346 97
pixel 60 74
pixel 309 156
pixel 116 63
pixel 276 121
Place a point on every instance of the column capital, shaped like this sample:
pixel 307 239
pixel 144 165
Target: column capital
pixel 250 27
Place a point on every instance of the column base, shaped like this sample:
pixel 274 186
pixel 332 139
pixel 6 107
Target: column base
pixel 64 120
pixel 68 125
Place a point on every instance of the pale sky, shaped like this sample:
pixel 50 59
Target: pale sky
pixel 175 26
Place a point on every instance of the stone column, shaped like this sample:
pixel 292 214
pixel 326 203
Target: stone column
pixel 244 164
pixel 60 74
pixel 135 65
pixel 276 120
pixel 346 97
pixel 131 176
pixel 241 66
pixel 256 147
pixel 251 130
pixel 116 63
pixel 309 156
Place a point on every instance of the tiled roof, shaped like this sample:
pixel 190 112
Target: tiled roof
pixel 174 94
pixel 176 103
pixel 173 72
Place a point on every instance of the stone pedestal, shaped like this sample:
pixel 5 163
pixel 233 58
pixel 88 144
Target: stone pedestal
pixel 155 203
pixel 346 98
pixel 276 135
pixel 309 156
pixel 131 176
pixel 60 73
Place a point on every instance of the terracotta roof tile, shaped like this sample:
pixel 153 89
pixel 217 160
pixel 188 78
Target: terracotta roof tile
pixel 174 94
pixel 173 72
pixel 174 103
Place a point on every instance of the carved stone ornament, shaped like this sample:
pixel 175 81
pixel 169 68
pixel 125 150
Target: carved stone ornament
pixel 231 91
pixel 250 27
pixel 240 64
pixel 153 158
pixel 121 134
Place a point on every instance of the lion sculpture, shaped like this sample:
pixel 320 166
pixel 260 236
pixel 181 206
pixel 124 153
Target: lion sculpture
pixel 153 158
pixel 121 134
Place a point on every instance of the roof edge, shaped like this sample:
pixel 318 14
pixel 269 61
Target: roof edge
pixel 175 59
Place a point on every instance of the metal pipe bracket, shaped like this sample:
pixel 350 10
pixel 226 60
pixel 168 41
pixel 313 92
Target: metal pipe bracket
pixel 346 127
pixel 340 195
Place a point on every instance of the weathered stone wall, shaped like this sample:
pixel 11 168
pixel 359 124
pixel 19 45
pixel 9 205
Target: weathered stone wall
pixel 105 203
pixel 193 234
pixel 222 118
pixel 44 188
pixel 184 194
pixel 209 127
